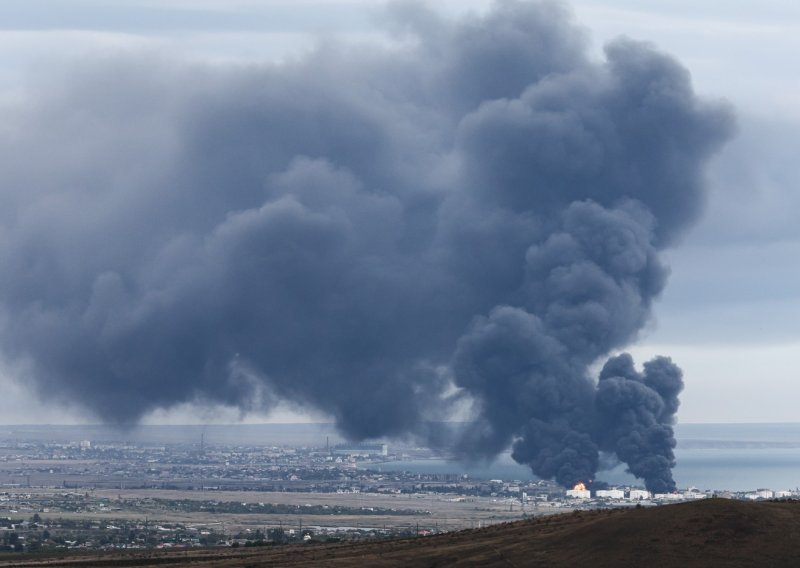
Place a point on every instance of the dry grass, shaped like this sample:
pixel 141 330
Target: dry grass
pixel 444 511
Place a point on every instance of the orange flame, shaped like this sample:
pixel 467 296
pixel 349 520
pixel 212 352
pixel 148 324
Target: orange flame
pixel 579 487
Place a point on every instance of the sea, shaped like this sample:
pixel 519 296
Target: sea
pixel 734 457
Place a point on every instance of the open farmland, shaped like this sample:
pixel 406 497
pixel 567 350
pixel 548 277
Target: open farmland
pixel 242 510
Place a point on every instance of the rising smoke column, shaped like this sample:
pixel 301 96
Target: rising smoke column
pixel 636 412
pixel 375 233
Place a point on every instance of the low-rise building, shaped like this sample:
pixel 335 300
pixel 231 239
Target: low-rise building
pixel 364 450
pixel 638 494
pixel 610 494
pixel 579 493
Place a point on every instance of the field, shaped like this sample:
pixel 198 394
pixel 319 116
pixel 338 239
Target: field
pixel 429 511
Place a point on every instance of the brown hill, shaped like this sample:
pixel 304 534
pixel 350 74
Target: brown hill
pixel 714 532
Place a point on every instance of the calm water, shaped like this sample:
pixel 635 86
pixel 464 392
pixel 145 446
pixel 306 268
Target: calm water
pixel 710 456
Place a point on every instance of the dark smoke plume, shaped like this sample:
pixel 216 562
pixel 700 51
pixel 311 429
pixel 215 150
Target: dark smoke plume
pixel 376 233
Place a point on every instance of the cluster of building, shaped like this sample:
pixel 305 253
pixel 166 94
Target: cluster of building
pixel 43 480
pixel 760 494
pixel 360 450
pixel 581 492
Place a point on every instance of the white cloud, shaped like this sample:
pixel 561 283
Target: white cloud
pixel 735 383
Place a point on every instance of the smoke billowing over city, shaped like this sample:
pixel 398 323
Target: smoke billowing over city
pixel 473 218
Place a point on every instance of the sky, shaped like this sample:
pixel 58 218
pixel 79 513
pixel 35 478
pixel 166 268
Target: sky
pixel 729 310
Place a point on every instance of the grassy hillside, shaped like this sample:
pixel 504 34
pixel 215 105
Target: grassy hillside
pixel 713 532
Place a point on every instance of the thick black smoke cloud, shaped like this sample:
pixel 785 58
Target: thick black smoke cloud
pixel 635 415
pixel 375 233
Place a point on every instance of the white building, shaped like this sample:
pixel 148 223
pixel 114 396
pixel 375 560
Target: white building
pixel 610 494
pixel 638 494
pixel 694 494
pixel 760 494
pixel 579 493
pixel 360 450
pixel 669 496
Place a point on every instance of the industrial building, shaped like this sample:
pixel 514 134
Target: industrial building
pixel 579 493
pixel 610 494
pixel 360 450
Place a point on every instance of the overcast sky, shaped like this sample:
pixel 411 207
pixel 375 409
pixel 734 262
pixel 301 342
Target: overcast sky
pixel 729 314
